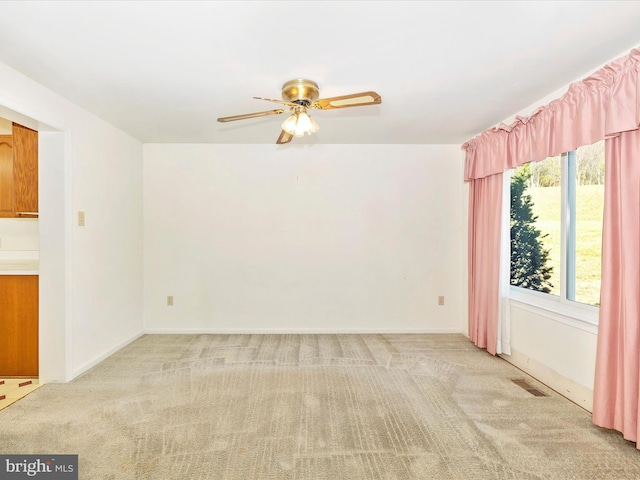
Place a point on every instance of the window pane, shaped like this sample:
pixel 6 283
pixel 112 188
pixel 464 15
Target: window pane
pixel 535 226
pixel 589 210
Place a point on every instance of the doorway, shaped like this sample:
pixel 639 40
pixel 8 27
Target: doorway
pixel 53 238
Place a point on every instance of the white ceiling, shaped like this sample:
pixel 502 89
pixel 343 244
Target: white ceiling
pixel 164 71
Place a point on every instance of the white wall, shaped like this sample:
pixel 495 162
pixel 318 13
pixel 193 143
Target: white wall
pixel 334 238
pixel 19 234
pixel 55 259
pixel 107 251
pixel 101 266
pixel 556 349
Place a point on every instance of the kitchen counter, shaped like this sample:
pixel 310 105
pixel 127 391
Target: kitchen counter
pixel 18 263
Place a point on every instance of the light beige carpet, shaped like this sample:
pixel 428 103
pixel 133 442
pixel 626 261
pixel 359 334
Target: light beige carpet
pixel 311 407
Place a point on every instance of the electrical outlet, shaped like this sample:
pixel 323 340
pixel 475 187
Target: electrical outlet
pixel 441 300
pixel 170 300
pixel 81 219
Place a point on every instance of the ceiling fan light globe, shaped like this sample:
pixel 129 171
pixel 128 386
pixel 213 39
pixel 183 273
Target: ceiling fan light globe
pixel 304 124
pixel 290 124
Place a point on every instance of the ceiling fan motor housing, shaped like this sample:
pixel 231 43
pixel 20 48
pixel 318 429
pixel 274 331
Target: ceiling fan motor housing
pixel 300 91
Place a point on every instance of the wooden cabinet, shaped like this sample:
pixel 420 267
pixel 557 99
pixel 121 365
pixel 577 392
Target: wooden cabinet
pixel 25 169
pixel 18 325
pixel 19 173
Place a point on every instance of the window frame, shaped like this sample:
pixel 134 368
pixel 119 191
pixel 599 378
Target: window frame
pixel 559 307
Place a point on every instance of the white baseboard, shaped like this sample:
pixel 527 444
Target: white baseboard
pixel 96 360
pixel 578 394
pixel 293 331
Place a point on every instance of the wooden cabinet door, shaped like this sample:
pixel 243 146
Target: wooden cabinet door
pixel 18 325
pixel 6 176
pixel 25 169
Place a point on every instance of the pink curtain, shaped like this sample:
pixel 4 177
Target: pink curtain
pixel 605 105
pixel 602 105
pixel 485 206
pixel 616 396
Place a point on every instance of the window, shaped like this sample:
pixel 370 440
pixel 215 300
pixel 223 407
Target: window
pixel 556 225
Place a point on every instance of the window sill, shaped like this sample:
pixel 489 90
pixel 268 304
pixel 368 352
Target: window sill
pixel 574 314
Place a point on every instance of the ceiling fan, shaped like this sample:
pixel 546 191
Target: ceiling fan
pixel 301 95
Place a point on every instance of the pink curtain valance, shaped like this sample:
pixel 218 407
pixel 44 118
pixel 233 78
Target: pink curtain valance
pixel 602 105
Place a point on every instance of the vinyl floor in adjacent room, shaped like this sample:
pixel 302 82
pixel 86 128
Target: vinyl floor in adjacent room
pixel 13 389
pixel 312 407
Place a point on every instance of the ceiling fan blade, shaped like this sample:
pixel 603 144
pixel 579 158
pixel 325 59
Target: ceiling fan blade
pixel 285 137
pixel 251 115
pixel 277 101
pixel 353 100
